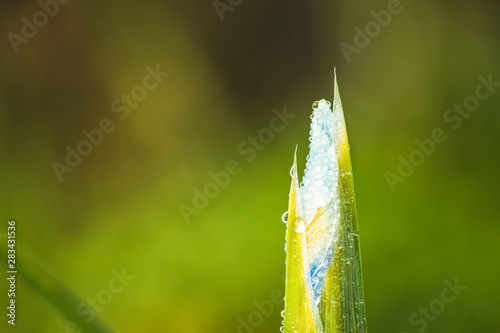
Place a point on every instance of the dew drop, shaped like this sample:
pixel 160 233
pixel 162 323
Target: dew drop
pixel 315 105
pixel 282 329
pixel 283 313
pixel 300 227
pixel 284 217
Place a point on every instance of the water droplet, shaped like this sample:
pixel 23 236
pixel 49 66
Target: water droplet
pixel 315 105
pixel 300 227
pixel 291 171
pixel 284 217
pixel 282 329
pixel 283 313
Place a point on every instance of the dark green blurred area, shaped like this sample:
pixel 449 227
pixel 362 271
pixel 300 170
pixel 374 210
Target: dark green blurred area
pixel 120 207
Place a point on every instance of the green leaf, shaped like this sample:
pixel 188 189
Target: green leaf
pixel 324 287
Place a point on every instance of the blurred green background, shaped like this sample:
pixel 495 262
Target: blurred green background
pixel 120 208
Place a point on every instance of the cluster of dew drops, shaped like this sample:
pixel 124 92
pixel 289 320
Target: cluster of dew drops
pixel 319 177
pixel 300 227
pixel 282 328
pixel 285 215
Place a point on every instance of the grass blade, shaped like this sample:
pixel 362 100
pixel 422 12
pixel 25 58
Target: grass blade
pixel 55 292
pixel 324 287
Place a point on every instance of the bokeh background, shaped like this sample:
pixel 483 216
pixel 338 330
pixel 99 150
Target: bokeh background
pixel 120 207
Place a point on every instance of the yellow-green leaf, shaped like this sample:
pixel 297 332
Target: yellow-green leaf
pixel 324 287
